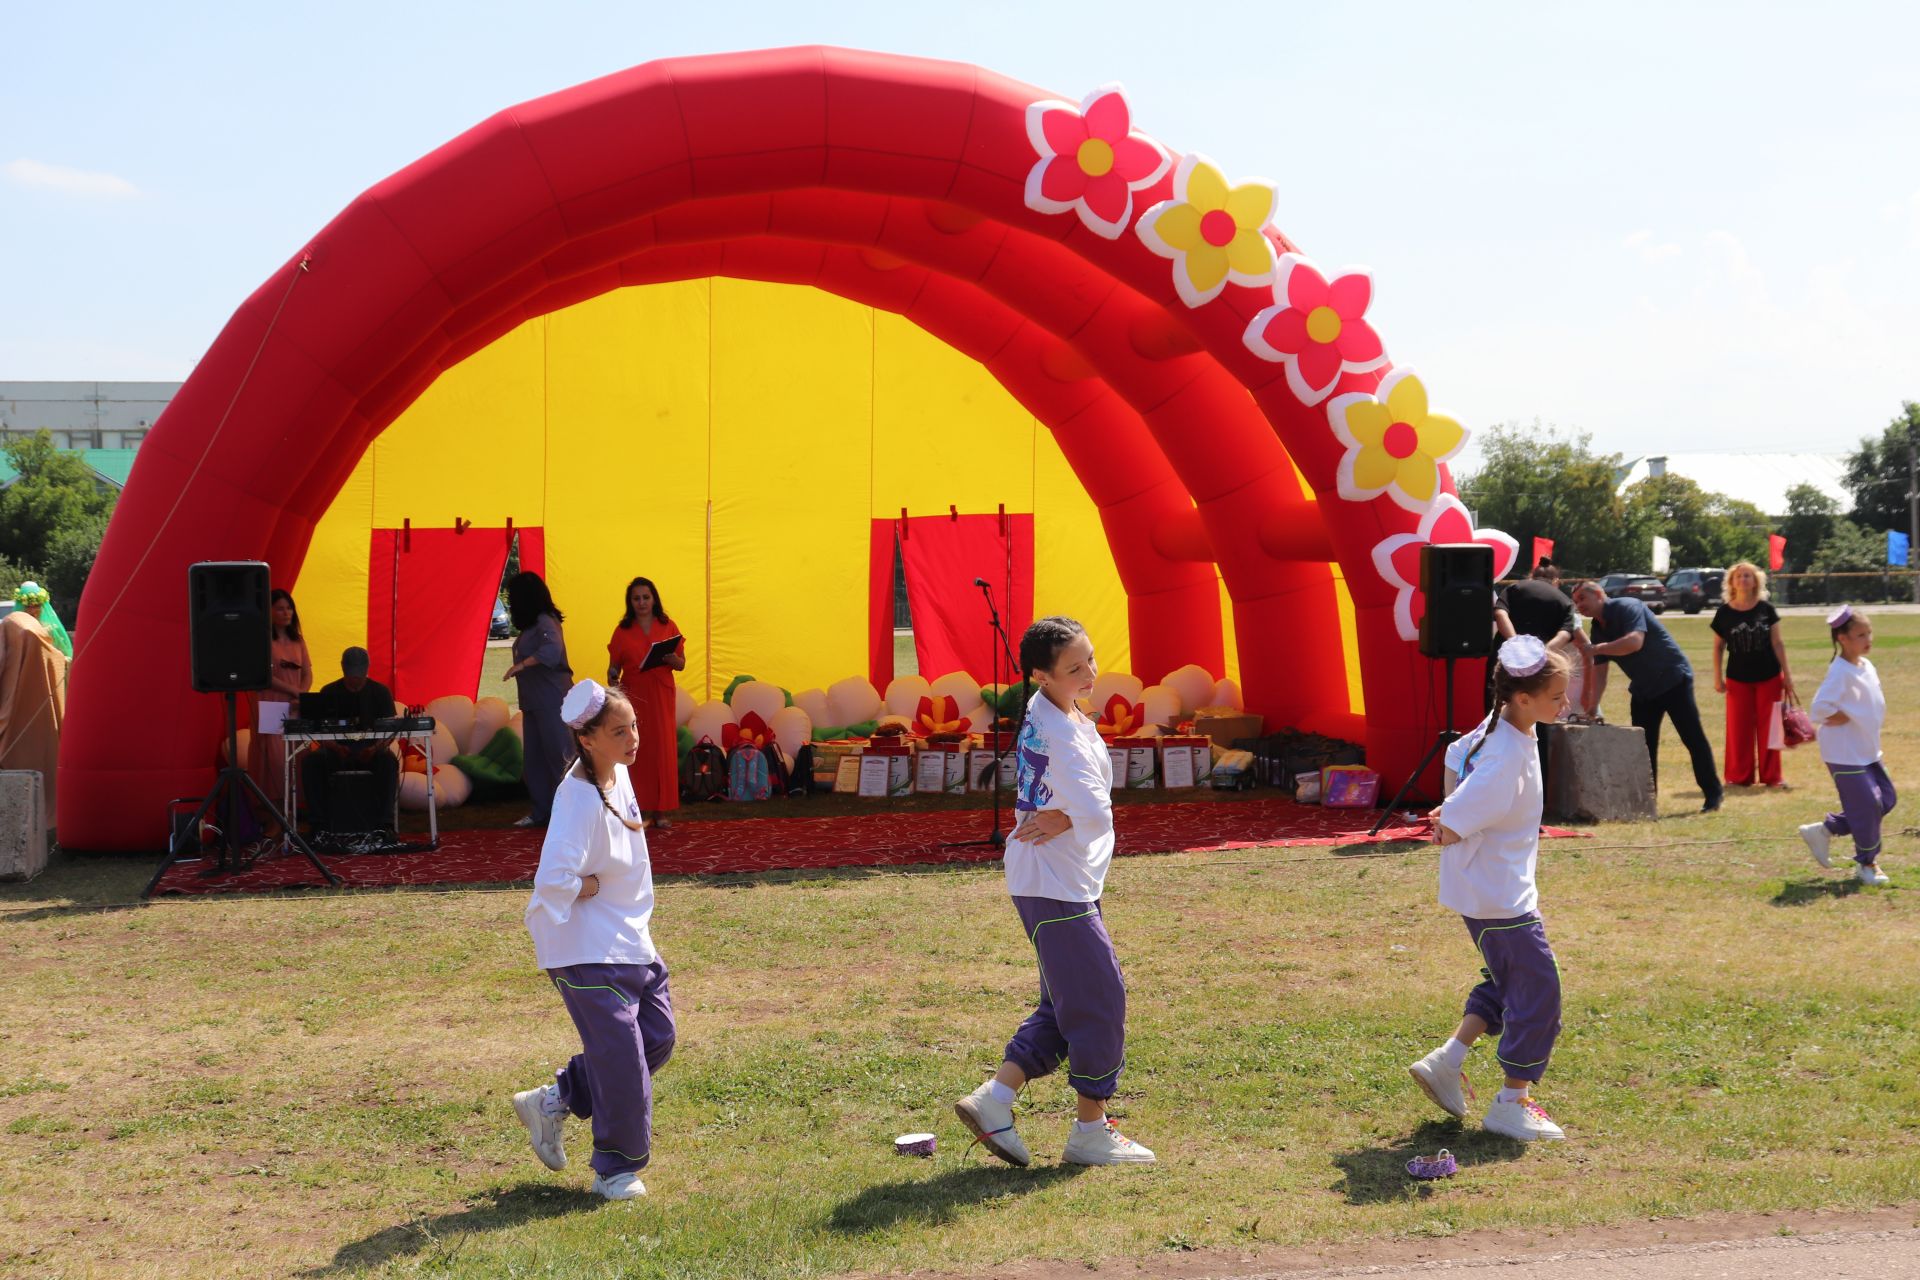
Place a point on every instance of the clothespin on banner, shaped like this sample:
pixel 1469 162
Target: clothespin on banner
pixel 461 526
pixel 953 513
pixel 509 533
pixel 903 524
pixel 1003 519
pixel 406 535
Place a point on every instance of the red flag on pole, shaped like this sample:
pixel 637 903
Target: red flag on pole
pixel 1542 550
pixel 1776 552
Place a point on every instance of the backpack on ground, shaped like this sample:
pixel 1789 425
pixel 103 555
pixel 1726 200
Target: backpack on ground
pixel 704 776
pixel 747 774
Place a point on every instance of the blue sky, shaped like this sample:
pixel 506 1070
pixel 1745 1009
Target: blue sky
pixel 1675 226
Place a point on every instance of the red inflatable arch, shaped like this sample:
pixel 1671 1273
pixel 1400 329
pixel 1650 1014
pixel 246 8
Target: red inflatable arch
pixel 1194 368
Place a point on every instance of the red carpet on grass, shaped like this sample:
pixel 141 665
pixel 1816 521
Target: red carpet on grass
pixel 868 839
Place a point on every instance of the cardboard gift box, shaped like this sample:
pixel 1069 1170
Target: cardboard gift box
pixel 1349 786
pixel 1227 730
pixel 1117 758
pixel 827 757
pixel 1143 760
pixel 1185 761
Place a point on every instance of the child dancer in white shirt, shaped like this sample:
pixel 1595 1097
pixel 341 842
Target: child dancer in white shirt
pixel 1056 866
pixel 1850 708
pixel 1489 830
pixel 589 916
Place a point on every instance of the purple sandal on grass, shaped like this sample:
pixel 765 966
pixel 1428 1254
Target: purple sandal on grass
pixel 1430 1167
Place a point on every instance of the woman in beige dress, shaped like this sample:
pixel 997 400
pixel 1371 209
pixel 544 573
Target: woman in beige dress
pixel 33 691
pixel 292 676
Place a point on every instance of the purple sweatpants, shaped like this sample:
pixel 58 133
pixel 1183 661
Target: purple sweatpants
pixel 1519 999
pixel 1082 1015
pixel 624 1014
pixel 1866 796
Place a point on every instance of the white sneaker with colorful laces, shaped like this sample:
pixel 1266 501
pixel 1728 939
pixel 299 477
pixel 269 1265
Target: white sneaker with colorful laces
pixel 621 1186
pixel 1523 1120
pixel 542 1111
pixel 1105 1145
pixel 1871 875
pixel 992 1125
pixel 1819 842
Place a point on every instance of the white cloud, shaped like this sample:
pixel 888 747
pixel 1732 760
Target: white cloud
pixel 73 182
pixel 1651 251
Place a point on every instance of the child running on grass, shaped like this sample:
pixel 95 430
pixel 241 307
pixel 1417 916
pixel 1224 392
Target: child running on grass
pixel 1850 708
pixel 589 914
pixel 1056 865
pixel 1489 830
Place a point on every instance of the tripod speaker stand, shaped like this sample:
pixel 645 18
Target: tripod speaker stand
pixel 1001 646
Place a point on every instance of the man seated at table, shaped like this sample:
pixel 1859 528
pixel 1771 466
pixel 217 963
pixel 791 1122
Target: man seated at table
pixel 352 697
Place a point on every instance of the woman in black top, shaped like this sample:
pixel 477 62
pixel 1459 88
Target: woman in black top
pixel 1746 633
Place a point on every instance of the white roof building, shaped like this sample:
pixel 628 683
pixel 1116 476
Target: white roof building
pixel 1760 478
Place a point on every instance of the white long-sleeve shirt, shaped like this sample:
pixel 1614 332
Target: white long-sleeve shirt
pixel 1489 874
pixel 1852 687
pixel 1062 764
pixel 583 839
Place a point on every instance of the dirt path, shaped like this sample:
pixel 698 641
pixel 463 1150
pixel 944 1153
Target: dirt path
pixel 1882 1245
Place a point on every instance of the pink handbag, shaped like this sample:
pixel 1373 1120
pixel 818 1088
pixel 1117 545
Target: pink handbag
pixel 1796 726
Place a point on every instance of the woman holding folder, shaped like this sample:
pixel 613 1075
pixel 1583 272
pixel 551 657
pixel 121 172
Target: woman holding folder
pixel 646 649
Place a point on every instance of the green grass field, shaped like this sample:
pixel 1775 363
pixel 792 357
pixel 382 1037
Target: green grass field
pixel 316 1084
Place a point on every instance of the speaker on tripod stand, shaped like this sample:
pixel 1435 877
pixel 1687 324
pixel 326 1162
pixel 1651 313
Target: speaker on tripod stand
pixel 1457 580
pixel 230 648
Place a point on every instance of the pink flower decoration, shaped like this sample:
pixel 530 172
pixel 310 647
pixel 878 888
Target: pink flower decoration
pixel 1397 559
pixel 1091 161
pixel 1317 328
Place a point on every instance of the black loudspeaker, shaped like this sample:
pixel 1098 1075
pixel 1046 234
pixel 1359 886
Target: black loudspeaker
pixel 230 625
pixel 1457 580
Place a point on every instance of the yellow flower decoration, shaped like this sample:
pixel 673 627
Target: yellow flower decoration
pixel 1213 232
pixel 1395 443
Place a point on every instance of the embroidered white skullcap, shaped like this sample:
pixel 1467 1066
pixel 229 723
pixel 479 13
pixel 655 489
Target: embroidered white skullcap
pixel 583 703
pixel 1523 656
pixel 1840 617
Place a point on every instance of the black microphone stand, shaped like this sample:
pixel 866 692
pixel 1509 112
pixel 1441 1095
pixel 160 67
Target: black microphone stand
pixel 1002 646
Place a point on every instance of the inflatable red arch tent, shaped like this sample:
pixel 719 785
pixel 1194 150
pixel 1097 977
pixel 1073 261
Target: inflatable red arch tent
pixel 1194 368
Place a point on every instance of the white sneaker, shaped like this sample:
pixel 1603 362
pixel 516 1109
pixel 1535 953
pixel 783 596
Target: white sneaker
pixel 540 1110
pixel 1448 1089
pixel 1523 1120
pixel 525 822
pixel 992 1125
pixel 621 1186
pixel 1105 1145
pixel 1871 875
pixel 1818 839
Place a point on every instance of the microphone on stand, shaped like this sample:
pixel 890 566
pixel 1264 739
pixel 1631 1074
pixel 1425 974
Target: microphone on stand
pixel 979 582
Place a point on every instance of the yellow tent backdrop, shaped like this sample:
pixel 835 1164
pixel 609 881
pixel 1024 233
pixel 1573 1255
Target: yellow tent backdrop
pixel 733 441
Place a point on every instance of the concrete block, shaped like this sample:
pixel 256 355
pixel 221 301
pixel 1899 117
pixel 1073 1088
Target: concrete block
pixel 23 824
pixel 1598 773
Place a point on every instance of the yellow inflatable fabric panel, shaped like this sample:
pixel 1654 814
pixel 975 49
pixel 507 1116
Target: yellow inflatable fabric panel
pixel 945 432
pixel 1349 635
pixel 627 409
pixel 792 476
pixel 331 590
pixel 1073 570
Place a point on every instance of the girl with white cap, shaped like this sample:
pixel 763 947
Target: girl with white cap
pixel 1850 708
pixel 589 915
pixel 1489 830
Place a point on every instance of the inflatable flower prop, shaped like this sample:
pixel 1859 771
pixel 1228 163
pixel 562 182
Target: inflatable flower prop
pixel 752 731
pixel 1317 328
pixel 1091 161
pixel 1395 444
pixel 938 714
pixel 1120 717
pixel 1213 232
pixel 1397 559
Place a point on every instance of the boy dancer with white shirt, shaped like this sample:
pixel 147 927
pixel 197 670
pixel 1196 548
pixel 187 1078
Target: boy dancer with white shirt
pixel 1489 830
pixel 590 916
pixel 1850 710
pixel 1056 865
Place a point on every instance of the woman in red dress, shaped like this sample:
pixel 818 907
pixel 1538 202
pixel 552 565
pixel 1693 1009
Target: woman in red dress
pixel 292 676
pixel 656 771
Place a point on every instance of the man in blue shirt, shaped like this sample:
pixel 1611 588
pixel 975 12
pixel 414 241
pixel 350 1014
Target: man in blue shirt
pixel 1659 680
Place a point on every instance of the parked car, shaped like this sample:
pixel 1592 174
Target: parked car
pixel 500 626
pixel 1692 590
pixel 1642 587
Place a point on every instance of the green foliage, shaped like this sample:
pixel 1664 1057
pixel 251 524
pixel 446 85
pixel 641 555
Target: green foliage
pixel 12 575
pixel 1540 482
pixel 1850 548
pixel 1877 472
pixel 1810 519
pixel 70 556
pixel 1705 528
pixel 54 490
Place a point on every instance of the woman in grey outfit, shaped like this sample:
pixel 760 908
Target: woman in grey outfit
pixel 540 667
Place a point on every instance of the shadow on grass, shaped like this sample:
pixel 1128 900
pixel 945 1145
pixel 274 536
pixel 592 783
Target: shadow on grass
pixel 444 1233
pixel 937 1200
pixel 1380 848
pixel 1375 1175
pixel 1798 893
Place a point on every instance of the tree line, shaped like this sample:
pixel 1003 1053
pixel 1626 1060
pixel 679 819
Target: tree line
pixel 1539 481
pixel 52 518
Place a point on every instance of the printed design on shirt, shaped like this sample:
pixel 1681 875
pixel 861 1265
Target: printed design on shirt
pixel 1750 635
pixel 1030 789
